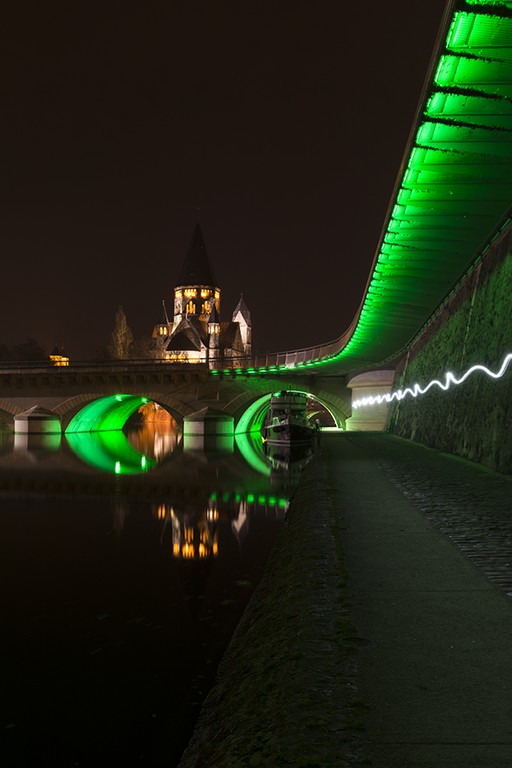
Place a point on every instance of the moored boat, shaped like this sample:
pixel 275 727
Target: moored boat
pixel 287 421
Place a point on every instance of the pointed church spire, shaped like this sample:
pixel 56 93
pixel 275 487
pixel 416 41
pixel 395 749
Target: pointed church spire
pixel 196 269
pixel 243 309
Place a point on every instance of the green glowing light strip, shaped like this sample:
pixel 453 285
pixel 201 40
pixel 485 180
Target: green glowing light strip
pixel 503 3
pixel 452 196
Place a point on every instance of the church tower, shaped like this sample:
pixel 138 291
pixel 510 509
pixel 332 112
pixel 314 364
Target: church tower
pixel 242 316
pixel 196 334
pixel 196 290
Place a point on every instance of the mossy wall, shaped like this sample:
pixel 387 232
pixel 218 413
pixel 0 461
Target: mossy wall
pixel 473 420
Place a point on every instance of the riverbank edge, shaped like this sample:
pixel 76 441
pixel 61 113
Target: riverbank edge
pixel 285 692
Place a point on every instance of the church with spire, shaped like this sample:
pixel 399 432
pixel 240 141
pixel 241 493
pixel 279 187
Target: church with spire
pixel 196 334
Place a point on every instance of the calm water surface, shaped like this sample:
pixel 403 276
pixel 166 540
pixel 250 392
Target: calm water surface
pixel 126 563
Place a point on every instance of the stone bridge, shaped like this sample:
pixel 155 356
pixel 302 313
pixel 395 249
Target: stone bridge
pixel 104 395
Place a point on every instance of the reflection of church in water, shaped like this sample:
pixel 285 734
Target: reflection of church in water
pixel 194 531
pixel 196 333
pixel 191 530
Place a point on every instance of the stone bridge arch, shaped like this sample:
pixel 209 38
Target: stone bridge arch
pixel 69 410
pixel 181 394
pixel 247 400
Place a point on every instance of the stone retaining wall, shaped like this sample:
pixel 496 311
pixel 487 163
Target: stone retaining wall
pixel 473 420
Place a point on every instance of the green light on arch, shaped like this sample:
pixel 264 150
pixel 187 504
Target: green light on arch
pixel 253 417
pixel 105 414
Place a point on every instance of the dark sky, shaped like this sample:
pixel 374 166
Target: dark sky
pixel 283 122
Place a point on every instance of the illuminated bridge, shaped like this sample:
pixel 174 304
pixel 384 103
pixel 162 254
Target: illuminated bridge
pixel 447 228
pixel 452 197
pixel 102 396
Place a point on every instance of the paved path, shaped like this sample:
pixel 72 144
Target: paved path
pixel 435 655
pixel 381 634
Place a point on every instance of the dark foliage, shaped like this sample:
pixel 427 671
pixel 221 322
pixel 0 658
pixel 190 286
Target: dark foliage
pixel 28 351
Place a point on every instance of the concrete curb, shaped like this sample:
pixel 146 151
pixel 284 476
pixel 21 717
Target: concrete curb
pixel 285 688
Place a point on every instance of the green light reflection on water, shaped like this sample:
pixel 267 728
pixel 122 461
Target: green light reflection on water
pixel 109 451
pixel 250 446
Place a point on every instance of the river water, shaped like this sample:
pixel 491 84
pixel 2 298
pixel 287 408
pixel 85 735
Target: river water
pixel 127 560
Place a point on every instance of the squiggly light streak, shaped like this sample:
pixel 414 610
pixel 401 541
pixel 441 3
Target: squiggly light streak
pixel 418 390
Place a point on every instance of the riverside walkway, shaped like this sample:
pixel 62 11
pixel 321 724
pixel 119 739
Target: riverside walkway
pixel 381 634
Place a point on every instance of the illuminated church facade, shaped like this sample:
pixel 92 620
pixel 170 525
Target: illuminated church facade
pixel 196 333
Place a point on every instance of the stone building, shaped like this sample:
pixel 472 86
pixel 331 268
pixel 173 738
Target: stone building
pixel 196 333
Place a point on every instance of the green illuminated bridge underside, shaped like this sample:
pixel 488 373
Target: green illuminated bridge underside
pixel 452 197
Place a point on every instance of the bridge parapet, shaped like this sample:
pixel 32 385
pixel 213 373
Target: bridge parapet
pixel 182 390
pixel 40 376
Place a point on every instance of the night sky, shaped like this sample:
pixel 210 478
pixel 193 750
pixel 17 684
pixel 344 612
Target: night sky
pixel 279 126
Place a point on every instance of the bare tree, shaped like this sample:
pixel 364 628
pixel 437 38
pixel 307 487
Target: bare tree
pixel 121 337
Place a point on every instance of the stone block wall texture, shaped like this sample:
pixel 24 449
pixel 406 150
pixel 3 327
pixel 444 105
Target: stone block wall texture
pixel 473 420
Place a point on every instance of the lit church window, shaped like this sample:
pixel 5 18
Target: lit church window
pixel 58 359
pixel 191 308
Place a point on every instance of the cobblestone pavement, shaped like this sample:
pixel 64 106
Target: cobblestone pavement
pixel 470 504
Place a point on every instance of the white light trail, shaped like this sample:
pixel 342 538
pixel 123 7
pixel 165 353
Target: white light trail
pixel 418 390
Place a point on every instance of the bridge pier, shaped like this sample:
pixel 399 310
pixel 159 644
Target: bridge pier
pixel 370 384
pixel 37 421
pixel 208 429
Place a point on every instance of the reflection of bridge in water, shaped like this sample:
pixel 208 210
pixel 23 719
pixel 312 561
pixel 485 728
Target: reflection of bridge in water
pixel 161 452
pixel 193 494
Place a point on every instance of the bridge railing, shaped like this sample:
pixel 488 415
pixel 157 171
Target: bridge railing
pixel 289 359
pixel 269 361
